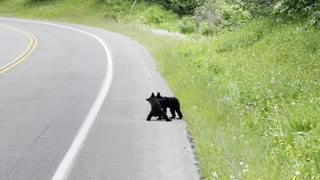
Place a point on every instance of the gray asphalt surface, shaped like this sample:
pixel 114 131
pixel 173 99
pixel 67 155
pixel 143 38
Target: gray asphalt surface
pixel 45 99
pixel 13 43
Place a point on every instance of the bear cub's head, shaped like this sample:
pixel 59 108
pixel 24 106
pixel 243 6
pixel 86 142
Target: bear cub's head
pixel 151 97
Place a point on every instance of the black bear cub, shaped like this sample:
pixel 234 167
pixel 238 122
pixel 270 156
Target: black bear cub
pixel 156 108
pixel 172 103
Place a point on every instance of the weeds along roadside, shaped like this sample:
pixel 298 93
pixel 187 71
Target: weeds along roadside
pixel 250 98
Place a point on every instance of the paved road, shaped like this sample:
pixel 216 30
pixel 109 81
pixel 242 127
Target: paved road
pixel 13 44
pixel 46 99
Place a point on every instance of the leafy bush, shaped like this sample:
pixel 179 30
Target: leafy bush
pixel 257 8
pixel 206 29
pixel 286 9
pixel 298 9
pixel 154 15
pixel 116 10
pixel 181 7
pixel 221 14
pixel 38 0
pixel 229 14
pixel 187 25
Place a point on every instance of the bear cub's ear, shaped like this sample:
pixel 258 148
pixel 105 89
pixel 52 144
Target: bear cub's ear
pixel 158 96
pixel 152 95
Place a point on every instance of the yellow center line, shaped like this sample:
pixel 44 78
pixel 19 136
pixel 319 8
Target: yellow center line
pixel 32 45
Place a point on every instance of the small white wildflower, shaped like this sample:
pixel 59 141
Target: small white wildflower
pixel 272 152
pixel 297 173
pixel 215 175
pixel 247 166
pixel 245 171
pixel 241 163
pixel 275 108
pixel 293 103
pixel 232 177
pixel 272 81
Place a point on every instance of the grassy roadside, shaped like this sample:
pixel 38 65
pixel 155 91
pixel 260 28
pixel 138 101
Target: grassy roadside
pixel 255 101
pixel 251 97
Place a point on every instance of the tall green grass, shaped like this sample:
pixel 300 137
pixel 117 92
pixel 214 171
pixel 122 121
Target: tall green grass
pixel 250 97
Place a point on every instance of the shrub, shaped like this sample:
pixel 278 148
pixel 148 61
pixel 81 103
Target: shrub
pixel 181 7
pixel 154 15
pixel 221 14
pixel 294 9
pixel 206 29
pixel 187 26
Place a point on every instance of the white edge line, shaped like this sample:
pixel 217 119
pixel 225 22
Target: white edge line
pixel 67 162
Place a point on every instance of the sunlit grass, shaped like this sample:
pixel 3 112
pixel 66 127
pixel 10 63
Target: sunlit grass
pixel 266 86
pixel 251 96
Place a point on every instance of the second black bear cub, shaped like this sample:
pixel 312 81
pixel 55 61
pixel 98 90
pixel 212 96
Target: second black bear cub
pixel 172 103
pixel 156 108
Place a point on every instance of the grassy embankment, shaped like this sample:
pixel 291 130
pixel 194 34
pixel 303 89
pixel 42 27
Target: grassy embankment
pixel 251 98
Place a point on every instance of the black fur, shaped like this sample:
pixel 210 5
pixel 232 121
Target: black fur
pixel 172 103
pixel 156 108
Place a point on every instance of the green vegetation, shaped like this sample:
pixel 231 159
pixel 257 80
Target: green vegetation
pixel 250 95
pixel 255 99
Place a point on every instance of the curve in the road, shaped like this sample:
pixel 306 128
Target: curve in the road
pixel 32 45
pixel 71 155
pixel 54 92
